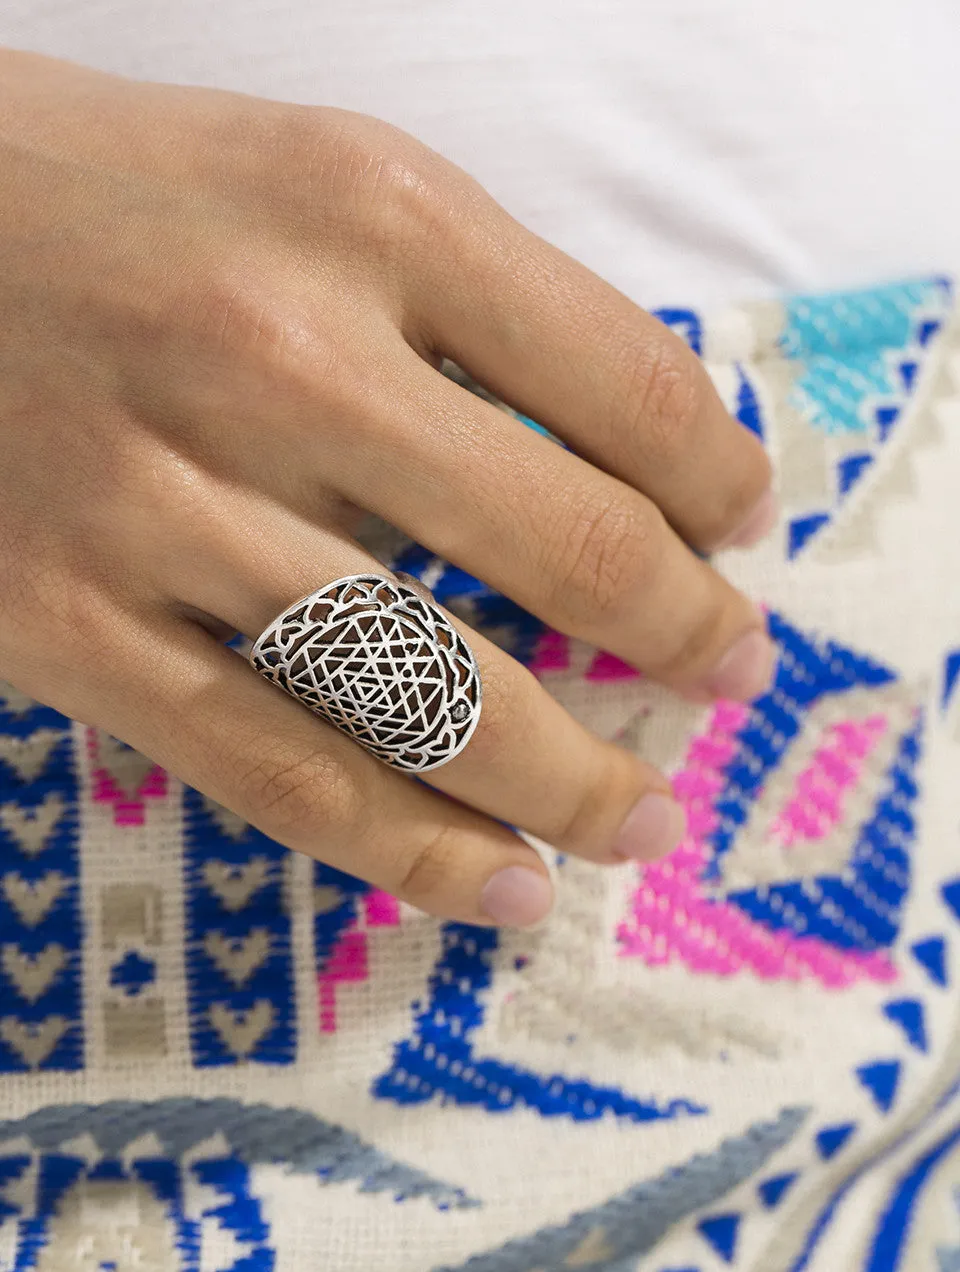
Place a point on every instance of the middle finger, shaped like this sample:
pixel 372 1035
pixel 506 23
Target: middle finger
pixel 579 548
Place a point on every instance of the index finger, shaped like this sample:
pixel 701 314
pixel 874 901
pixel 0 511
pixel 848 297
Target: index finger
pixel 565 348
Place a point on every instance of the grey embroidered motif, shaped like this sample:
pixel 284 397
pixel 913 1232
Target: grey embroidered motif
pixel 632 1222
pixel 14 702
pixel 238 957
pixel 230 823
pixel 33 1040
pixel 136 1028
pixel 33 899
pixel 29 756
pixel 32 828
pixel 240 1031
pixel 236 884
pixel 33 974
pixel 256 1133
pixel 128 768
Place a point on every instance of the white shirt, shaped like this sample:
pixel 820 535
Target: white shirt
pixel 690 151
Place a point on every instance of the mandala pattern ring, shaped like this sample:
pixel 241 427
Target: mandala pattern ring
pixel 382 663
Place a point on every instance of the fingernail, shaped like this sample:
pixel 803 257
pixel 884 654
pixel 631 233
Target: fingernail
pixel 654 827
pixel 761 520
pixel 517 897
pixel 746 669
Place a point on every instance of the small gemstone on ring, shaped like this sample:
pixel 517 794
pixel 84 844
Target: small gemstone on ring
pixel 459 712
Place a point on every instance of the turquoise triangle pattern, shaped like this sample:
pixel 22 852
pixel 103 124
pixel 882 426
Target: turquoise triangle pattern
pixel 858 357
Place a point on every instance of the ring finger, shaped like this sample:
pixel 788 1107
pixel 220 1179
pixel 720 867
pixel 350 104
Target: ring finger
pixel 528 763
pixel 572 544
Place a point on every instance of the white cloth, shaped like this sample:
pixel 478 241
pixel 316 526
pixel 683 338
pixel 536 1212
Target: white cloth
pixel 690 151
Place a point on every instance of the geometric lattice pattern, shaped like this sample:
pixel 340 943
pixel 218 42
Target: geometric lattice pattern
pixel 380 662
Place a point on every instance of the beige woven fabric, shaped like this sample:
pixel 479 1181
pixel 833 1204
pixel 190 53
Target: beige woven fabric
pixel 216 1055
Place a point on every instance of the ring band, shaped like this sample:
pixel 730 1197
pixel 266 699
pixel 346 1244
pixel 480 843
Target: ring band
pixel 380 662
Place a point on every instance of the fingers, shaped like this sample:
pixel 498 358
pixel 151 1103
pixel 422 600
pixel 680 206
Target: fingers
pixel 580 549
pixel 559 344
pixel 528 762
pixel 201 711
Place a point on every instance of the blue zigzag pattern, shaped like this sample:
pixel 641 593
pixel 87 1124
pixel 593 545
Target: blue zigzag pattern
pixel 60 1003
pixel 239 1213
pixel 206 912
pixel 859 356
pixel 861 909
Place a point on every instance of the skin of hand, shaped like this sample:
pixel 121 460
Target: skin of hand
pixel 223 320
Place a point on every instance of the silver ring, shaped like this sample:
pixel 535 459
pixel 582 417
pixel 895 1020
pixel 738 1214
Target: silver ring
pixel 382 663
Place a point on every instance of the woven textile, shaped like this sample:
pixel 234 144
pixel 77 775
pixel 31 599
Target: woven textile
pixel 218 1056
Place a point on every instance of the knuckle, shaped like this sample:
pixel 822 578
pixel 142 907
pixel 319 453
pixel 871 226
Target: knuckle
pixel 233 312
pixel 744 490
pixel 66 616
pixel 665 391
pixel 408 206
pixel 585 812
pixel 428 870
pixel 301 797
pixel 610 554
pixel 370 179
pixel 697 649
pixel 242 315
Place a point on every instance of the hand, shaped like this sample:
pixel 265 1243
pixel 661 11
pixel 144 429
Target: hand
pixel 222 322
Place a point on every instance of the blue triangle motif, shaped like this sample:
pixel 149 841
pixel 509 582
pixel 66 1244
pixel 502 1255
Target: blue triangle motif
pixel 881 1080
pixel 803 528
pixel 772 1190
pixel 908 373
pixel 748 407
pixel 850 469
pixel 951 670
pixel 931 954
pixel 832 1138
pixel 951 894
pixel 11 1168
pixel 887 416
pixel 908 1014
pixel 721 1232
pixel 858 357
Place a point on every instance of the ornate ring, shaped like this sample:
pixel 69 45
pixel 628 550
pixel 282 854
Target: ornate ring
pixel 380 662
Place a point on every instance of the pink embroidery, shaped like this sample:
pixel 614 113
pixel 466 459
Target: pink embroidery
pixel 551 654
pixel 348 963
pixel 609 667
pixel 673 918
pixel 128 810
pixel 816 803
pixel 382 910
